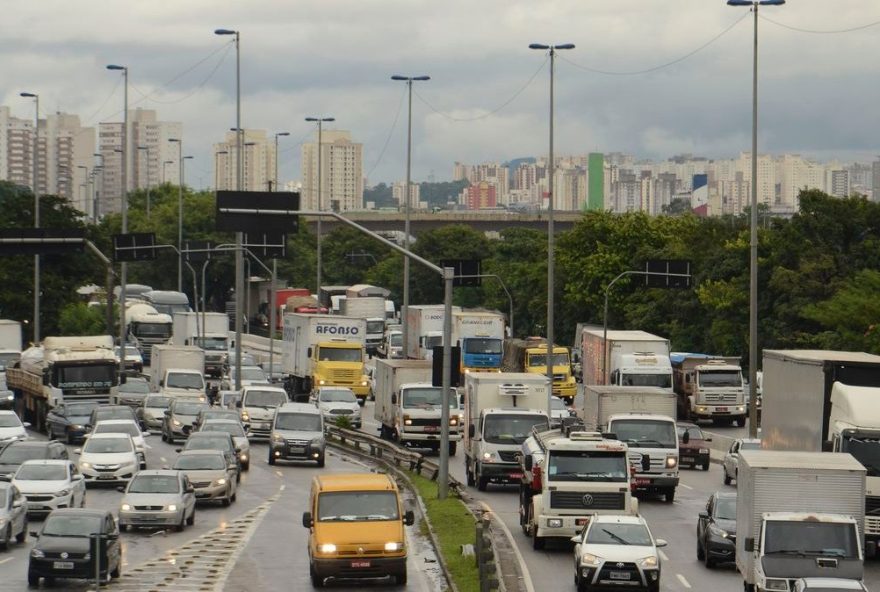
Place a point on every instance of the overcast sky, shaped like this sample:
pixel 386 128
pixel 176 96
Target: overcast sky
pixel 818 91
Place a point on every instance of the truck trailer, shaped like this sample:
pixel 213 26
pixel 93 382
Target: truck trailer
pixel 625 358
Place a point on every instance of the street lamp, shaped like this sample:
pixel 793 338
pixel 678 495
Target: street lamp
pixel 239 262
pixel 123 275
pixel 147 148
pixel 404 309
pixel 551 255
pixel 217 170
pixel 318 202
pixel 179 143
pixel 36 98
pixel 275 184
pixel 753 240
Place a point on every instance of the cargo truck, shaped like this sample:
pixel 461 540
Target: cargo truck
pixel 10 343
pixel 709 387
pixel 644 419
pixel 167 302
pixel 324 350
pixel 798 515
pixel 424 327
pixel 372 310
pixel 178 371
pixel 628 358
pixel 568 478
pixel 209 331
pixel 63 370
pixel 408 407
pixel 501 408
pixel 530 355
pixel 479 334
pixel 147 327
pixel 826 400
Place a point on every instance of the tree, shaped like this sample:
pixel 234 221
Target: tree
pixel 678 205
pixel 78 318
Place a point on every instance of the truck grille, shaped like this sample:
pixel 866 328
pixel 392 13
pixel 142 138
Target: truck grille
pixel 344 375
pixel 508 455
pixel 559 378
pixel 726 398
pixel 872 505
pixel 424 421
pixel 657 464
pixel 579 500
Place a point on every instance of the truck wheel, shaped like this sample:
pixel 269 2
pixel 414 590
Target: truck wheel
pixel 400 579
pixel 452 448
pixel 537 542
pixel 482 482
pixel 271 458
pixel 469 475
pixel 317 581
pixel 741 421
pixel 726 478
pixel 670 495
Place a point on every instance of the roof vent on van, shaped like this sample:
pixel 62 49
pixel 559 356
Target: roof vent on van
pixel 511 389
pixel 585 436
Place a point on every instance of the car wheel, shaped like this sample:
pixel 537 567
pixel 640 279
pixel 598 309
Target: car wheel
pixel 227 499
pixel 706 466
pixel 7 537
pixel 320 462
pixel 700 553
pixel 33 579
pixel 192 518
pixel 181 526
pixel 710 563
pixel 22 536
pixel 164 437
pixel 117 571
pixel 246 466
pixel 726 478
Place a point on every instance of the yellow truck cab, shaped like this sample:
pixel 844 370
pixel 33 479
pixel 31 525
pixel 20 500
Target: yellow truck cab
pixel 530 355
pixel 356 528
pixel 340 363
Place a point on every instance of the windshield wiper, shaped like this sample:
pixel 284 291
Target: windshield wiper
pixel 616 537
pixel 797 552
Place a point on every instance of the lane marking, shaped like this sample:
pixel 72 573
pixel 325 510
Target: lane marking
pixel 686 486
pixel 162 458
pixel 662 555
pixel 683 581
pixel 279 473
pixel 283 487
pixel 2 561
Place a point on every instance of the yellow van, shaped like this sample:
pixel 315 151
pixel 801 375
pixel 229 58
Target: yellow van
pixel 355 524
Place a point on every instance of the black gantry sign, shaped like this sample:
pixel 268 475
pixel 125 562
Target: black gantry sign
pixel 257 212
pixel 41 241
pixel 454 366
pixel 466 271
pixel 266 245
pixel 135 246
pixel 197 251
pixel 667 273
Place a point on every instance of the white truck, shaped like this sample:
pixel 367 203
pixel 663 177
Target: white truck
pixel 372 310
pixel 424 329
pixel 643 418
pixel 567 478
pixel 480 334
pixel 826 400
pixel 709 387
pixel 324 350
pixel 626 358
pixel 501 408
pixel 798 515
pixel 178 371
pixel 209 331
pixel 146 327
pixel 10 354
pixel 408 407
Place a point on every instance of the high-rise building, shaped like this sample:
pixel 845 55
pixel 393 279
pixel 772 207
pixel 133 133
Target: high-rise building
pixel 397 193
pixel 837 183
pixel 875 180
pixel 258 161
pixel 342 175
pixel 480 195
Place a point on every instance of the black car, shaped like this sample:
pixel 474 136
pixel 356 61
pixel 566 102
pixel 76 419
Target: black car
pixel 103 412
pixel 65 546
pixel 68 421
pixel 15 453
pixel 716 529
pixel 216 441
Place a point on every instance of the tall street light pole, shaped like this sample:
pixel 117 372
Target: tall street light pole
pixel 147 149
pixel 239 260
pixel 99 166
pixel 753 240
pixel 318 202
pixel 275 179
pixel 123 275
pixel 404 308
pixel 36 98
pixel 551 255
pixel 179 142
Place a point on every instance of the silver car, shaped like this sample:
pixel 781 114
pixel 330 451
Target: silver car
pixel 731 459
pixel 158 498
pixel 335 402
pixel 50 484
pixel 210 474
pixel 13 515
pixel 234 428
pixel 151 412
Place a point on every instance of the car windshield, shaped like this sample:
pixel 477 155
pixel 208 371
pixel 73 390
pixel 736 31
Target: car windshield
pixel 511 429
pixel 710 378
pixel 477 345
pixel 375 326
pixel 694 433
pixel 107 445
pixel 810 538
pixel 200 462
pixel 645 433
pixel 541 359
pixel 427 397
pixel 658 380
pixel 14 455
pixel 68 525
pixel 340 354
pixel 157 402
pixel 298 422
pixel 234 429
pixel 356 506
pixel 154 484
pixel 135 386
pixel 725 508
pixel 608 533
pixel 117 428
pixel 8 420
pixel 188 407
pixel 252 374
pixel 587 466
pixel 750 446
pixel 185 381
pixel 80 409
pixel 253 398
pixel 557 404
pixel 41 472
pixel 337 396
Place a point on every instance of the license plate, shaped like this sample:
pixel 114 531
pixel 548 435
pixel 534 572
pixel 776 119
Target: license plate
pixel 516 475
pixel 581 521
pixel 106 477
pixel 432 429
pixel 297 450
pixel 62 564
pixel 360 564
pixel 642 481
pixel 619 575
pixel 724 409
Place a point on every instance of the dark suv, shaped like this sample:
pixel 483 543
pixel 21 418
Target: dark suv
pixel 15 453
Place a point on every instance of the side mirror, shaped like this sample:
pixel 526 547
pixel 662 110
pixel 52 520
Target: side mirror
pixel 162 382
pixel 686 437
pixel 307 519
pixel 34 534
pixel 394 398
pixel 178 450
pixel 26 424
pixel 190 489
pixel 146 433
pixel 707 439
pixel 749 545
pixel 238 404
pixel 660 543
pixel 6 477
pixel 575 539
pixel 77 450
pixel 17 503
pixel 704 514
pixel 527 461
pixel 309 352
pixel 409 518
pixel 472 431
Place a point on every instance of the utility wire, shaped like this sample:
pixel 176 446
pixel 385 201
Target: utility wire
pixel 91 118
pixel 199 87
pixel 828 32
pixel 390 132
pixel 493 111
pixel 661 66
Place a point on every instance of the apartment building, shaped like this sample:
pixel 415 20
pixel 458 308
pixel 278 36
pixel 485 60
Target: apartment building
pixel 342 172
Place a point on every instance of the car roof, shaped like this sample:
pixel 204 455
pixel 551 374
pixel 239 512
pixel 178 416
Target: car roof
pixel 200 451
pixel 355 482
pixel 110 435
pixel 110 407
pixel 686 424
pixel 7 412
pixel 749 440
pixel 79 512
pixel 221 421
pixel 299 408
pixel 159 472
pixel 47 461
pixel 117 421
pixel 29 443
pixel 725 495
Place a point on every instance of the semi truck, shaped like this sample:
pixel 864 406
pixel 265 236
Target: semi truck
pixel 178 371
pixel 63 370
pixel 167 301
pixel 567 478
pixel 372 310
pixel 798 515
pixel 709 387
pixel 209 331
pixel 644 419
pixel 625 358
pixel 324 350
pixel 408 407
pixel 501 408
pixel 479 334
pixel 147 327
pixel 424 327
pixel 10 343
pixel 817 400
pixel 530 355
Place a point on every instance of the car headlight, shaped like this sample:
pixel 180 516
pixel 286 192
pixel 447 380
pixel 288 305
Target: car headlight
pixel 776 584
pixel 488 456
pixel 453 421
pixel 276 437
pixel 741 408
pixel 243 456
pixel 75 427
pixel 591 560
pixel 62 493
pixel 671 462
pixel 220 481
pixel 37 553
pixel 322 382
pixel 172 507
pixel 648 561
pixel 393 547
pixel 407 420
pixel 719 532
pixel 364 383
pixel 704 451
pixel 126 507
pixel 328 548
pixel 85 465
pixel 245 416
pixel 176 423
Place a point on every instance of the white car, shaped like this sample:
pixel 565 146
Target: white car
pixel 731 459
pixel 50 484
pixel 558 411
pixel 126 426
pixel 11 428
pixel 249 375
pixel 614 551
pixel 108 457
pixel 335 402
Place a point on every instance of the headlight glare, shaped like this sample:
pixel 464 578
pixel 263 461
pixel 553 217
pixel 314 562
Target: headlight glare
pixel 671 462
pixel 37 553
pixel 649 561
pixel 126 507
pixel 393 546
pixel 328 548
pixel 590 559
pixel 172 507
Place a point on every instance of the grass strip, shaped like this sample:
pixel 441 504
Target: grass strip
pixel 454 526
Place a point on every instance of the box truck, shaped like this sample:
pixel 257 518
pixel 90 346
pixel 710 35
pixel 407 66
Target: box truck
pixel 178 370
pixel 479 334
pixel 147 327
pixel 530 355
pixel 209 331
pixel 626 358
pixel 708 387
pixel 424 327
pixel 372 310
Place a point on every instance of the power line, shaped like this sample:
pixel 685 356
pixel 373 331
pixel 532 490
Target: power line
pixel 199 87
pixel 493 111
pixel 661 66
pixel 814 31
pixel 390 132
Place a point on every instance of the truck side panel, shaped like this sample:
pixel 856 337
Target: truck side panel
pixel 792 404
pixel 602 402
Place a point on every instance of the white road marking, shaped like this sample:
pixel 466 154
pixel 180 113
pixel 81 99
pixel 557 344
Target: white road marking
pixel 2 561
pixel 282 487
pixel 279 473
pixel 162 458
pixel 686 486
pixel 662 555
pixel 683 581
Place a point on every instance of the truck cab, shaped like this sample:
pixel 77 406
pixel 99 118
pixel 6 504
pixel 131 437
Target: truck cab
pixel 340 363
pixel 643 369
pixel 530 355
pixel 216 346
pixel 496 441
pixel 417 409
pixel 183 382
pixel 653 450
pixel 709 387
